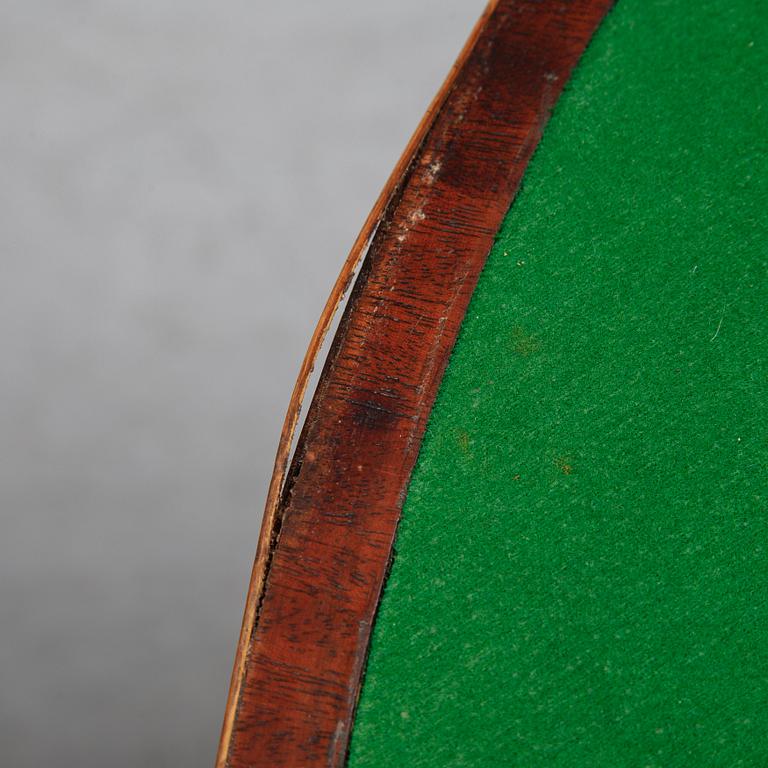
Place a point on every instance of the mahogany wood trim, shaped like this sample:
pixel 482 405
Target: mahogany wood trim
pixel 338 291
pixel 329 525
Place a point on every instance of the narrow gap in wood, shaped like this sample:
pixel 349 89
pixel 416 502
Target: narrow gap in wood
pixel 325 349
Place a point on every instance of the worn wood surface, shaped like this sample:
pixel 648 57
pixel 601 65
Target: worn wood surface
pixel 272 507
pixel 326 550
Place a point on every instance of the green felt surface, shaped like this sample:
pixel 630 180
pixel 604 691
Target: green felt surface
pixel 581 572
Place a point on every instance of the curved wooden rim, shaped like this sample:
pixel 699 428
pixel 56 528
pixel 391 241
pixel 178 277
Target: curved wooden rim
pixel 329 525
pixel 338 291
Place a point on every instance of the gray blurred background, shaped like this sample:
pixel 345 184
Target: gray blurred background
pixel 179 184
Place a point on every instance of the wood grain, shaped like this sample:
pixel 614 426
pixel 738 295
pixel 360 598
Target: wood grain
pixel 277 482
pixel 326 544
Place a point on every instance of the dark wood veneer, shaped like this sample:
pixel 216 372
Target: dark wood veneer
pixel 324 555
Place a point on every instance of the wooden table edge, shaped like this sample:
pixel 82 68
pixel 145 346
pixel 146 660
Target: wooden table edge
pixel 569 25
